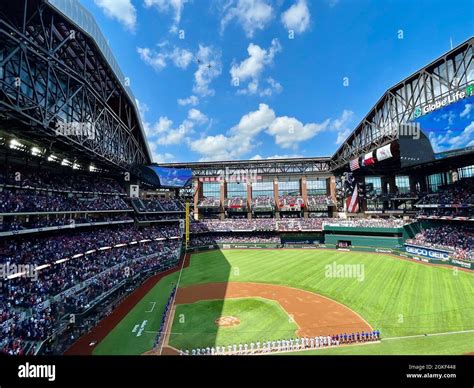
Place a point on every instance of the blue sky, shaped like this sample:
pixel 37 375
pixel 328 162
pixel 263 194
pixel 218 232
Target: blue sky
pixel 243 79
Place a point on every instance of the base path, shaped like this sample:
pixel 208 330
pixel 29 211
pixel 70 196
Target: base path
pixel 314 314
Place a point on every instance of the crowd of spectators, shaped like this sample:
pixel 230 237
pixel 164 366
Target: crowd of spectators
pixel 288 224
pixel 209 202
pixel 48 249
pixel 158 205
pixel 319 202
pixel 458 239
pixel 227 238
pixel 290 202
pixel 236 203
pixel 43 179
pixel 369 222
pixel 458 193
pixel 263 203
pixel 22 201
pixel 112 256
pixel 35 222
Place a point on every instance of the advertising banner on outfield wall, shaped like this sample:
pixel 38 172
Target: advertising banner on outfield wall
pixel 433 254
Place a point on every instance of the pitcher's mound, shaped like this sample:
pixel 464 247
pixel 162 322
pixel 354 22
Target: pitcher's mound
pixel 227 321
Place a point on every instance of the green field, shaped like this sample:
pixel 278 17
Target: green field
pixel 398 297
pixel 194 324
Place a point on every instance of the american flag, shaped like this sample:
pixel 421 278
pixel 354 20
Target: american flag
pixel 354 164
pixel 352 202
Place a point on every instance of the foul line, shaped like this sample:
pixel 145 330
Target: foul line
pixel 428 335
pixel 174 299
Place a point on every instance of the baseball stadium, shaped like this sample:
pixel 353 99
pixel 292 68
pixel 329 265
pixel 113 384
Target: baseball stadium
pixel 366 251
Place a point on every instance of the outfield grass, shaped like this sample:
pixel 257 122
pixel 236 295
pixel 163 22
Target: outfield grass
pixel 398 297
pixel 260 319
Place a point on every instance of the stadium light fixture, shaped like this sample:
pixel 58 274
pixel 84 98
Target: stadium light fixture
pixel 15 144
pixel 35 151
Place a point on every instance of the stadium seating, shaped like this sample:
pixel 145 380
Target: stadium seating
pixel 157 205
pixel 458 239
pixel 65 182
pixel 209 202
pixel 99 260
pixel 459 193
pixel 263 203
pixel 22 201
pixel 318 202
pixel 290 203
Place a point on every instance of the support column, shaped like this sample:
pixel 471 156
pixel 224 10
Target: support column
pixel 388 181
pixel 197 196
pixel 304 194
pixel 223 196
pixel 331 192
pixel 249 199
pixel 276 197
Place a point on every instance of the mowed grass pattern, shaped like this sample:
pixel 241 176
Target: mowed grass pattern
pixel 396 296
pixel 260 320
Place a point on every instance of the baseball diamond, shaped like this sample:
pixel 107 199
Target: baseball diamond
pixel 395 297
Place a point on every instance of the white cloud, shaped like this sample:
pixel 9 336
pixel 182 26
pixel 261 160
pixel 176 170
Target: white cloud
pixel 167 135
pixel 464 138
pixel 450 116
pixel 467 110
pixel 273 87
pixel 197 116
pixel 181 58
pixel 191 100
pixel 252 15
pixel 285 156
pixel 155 60
pixel 121 10
pixel 251 69
pixel 288 131
pixel 209 68
pixel 239 140
pixel 163 132
pixel 341 125
pixel 158 157
pixel 254 122
pixel 165 6
pixel 218 147
pixel 297 17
